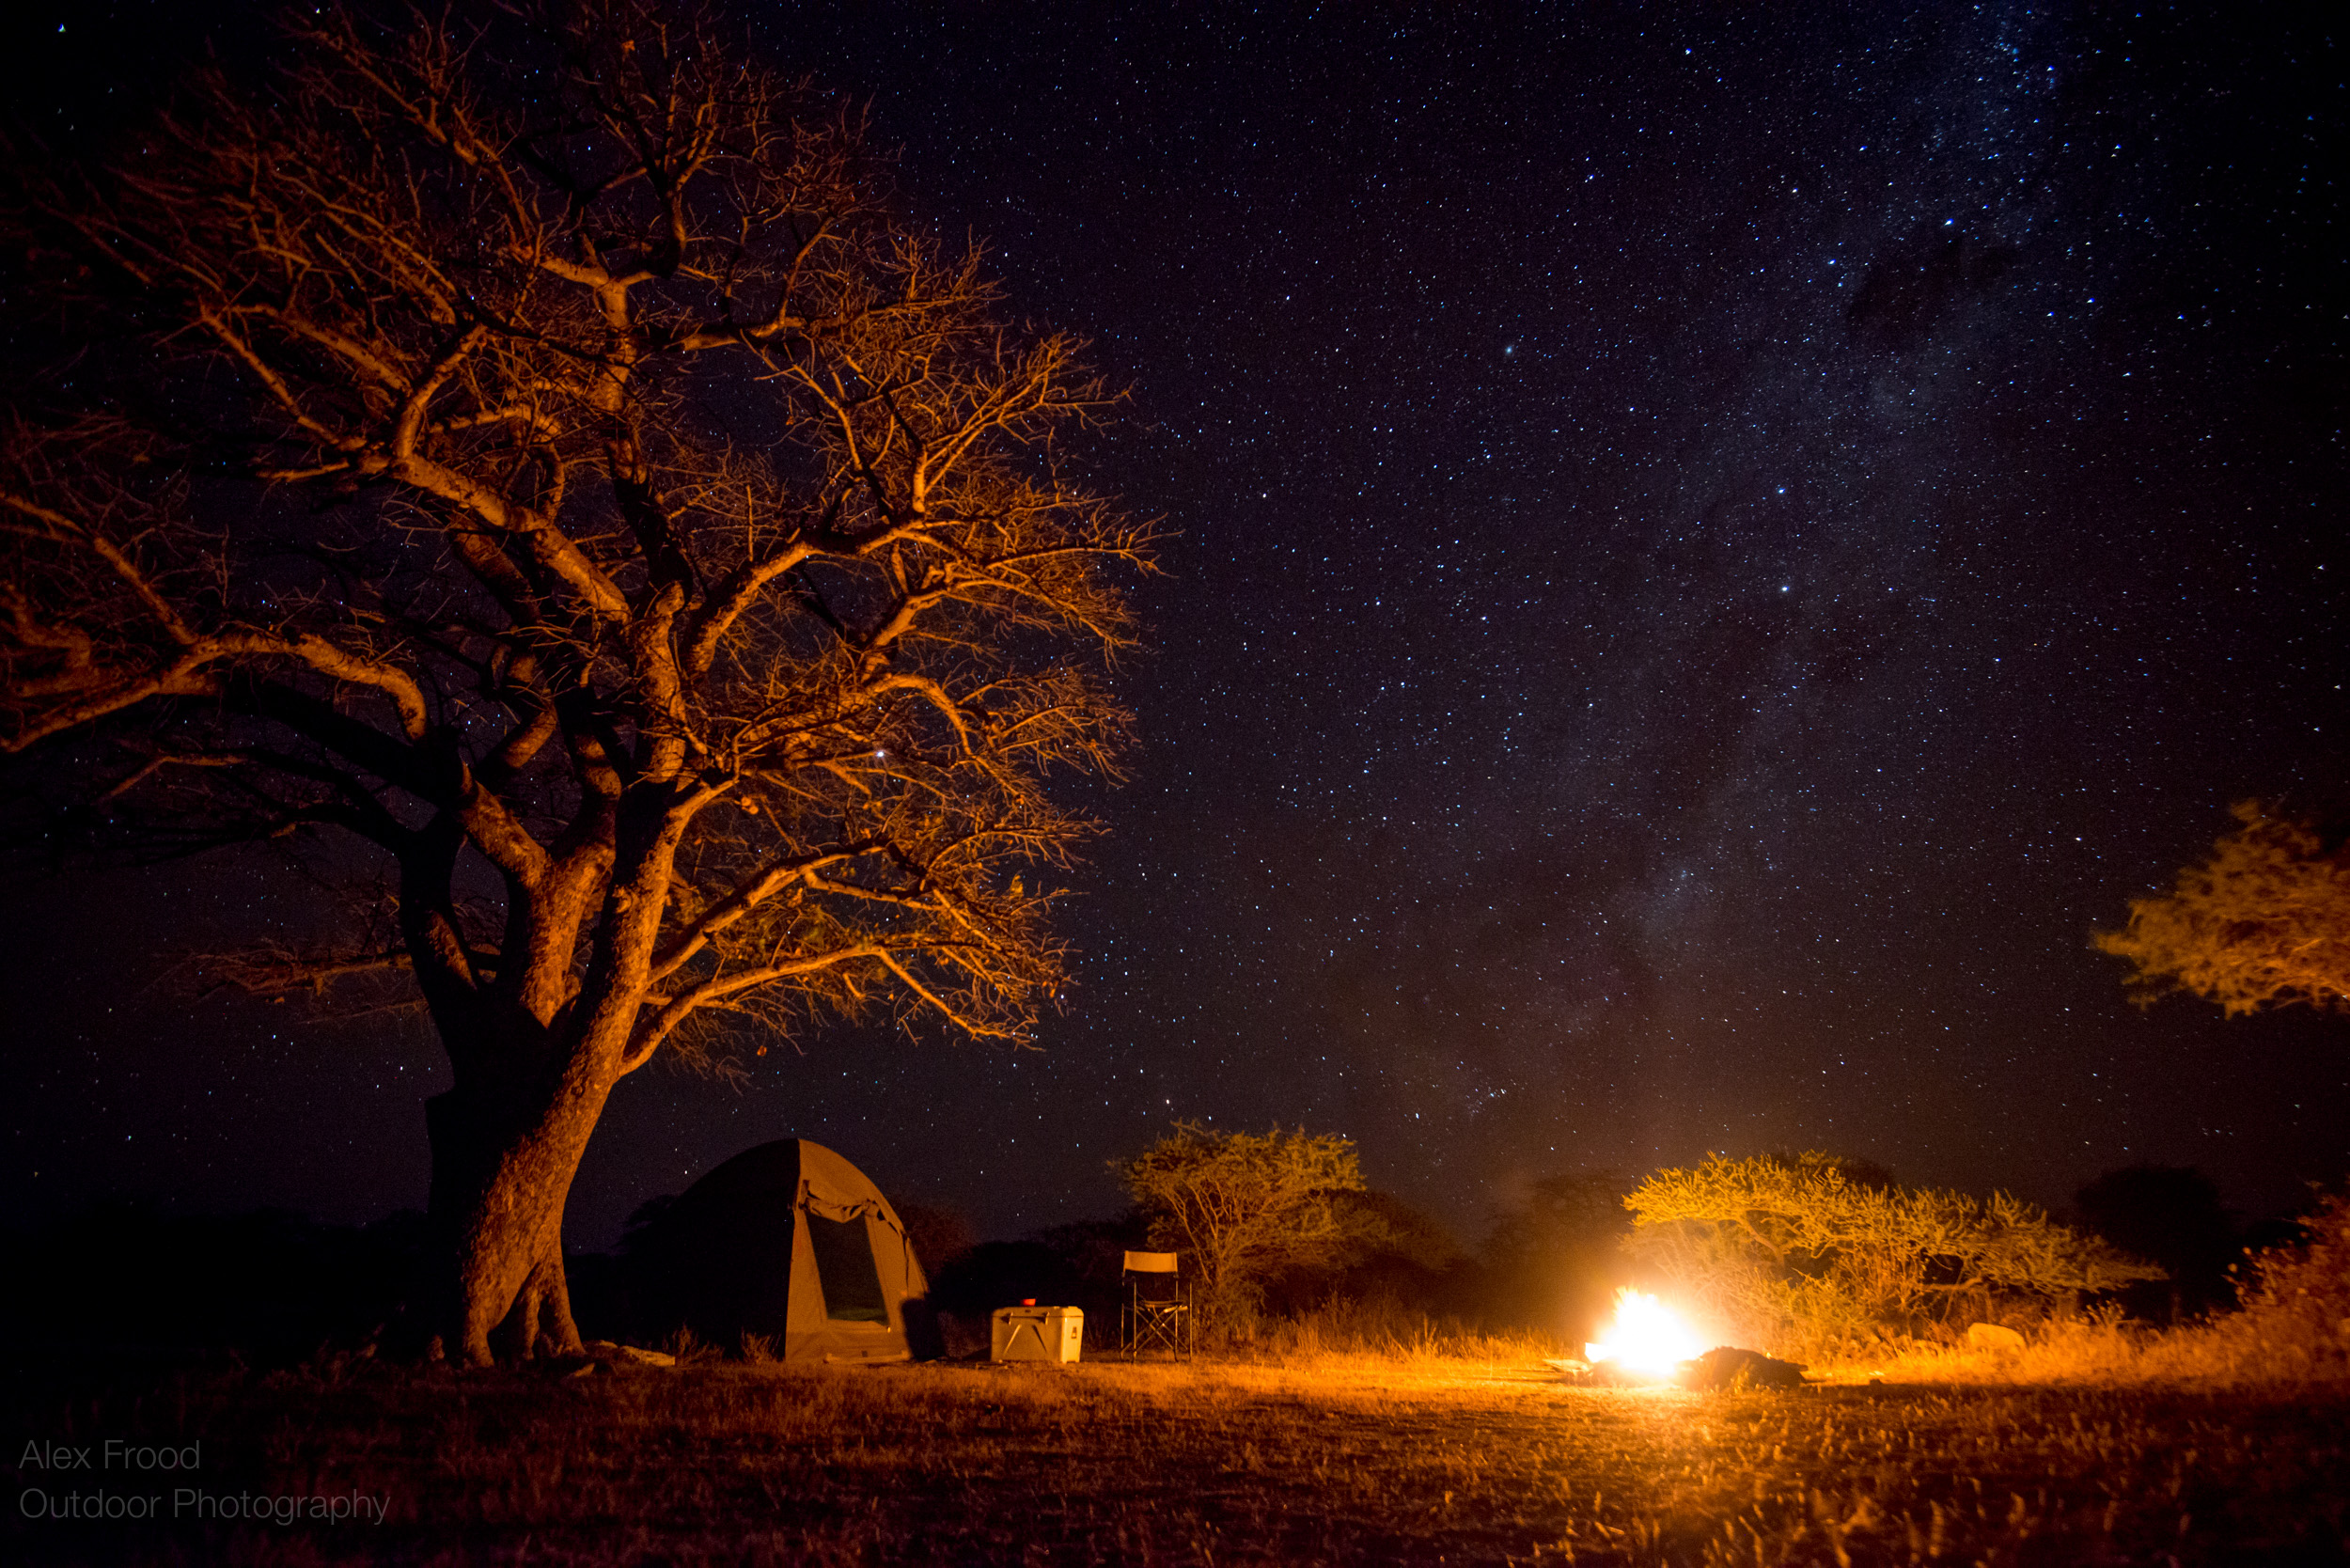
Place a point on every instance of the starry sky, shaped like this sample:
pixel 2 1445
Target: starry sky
pixel 1717 545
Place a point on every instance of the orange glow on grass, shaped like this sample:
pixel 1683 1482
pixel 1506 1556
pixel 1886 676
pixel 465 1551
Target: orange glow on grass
pixel 1647 1337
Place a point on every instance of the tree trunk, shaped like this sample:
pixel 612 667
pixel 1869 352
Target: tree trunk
pixel 502 1167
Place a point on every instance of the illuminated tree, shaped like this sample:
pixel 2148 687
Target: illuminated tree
pixel 1242 1207
pixel 1797 1252
pixel 2265 921
pixel 534 452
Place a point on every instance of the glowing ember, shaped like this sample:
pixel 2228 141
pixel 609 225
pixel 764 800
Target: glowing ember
pixel 1647 1337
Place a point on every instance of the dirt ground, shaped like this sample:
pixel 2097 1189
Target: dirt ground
pixel 1352 1462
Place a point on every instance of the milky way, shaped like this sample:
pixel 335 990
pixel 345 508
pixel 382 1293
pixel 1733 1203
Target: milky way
pixel 1713 554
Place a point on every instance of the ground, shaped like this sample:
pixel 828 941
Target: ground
pixel 1344 1461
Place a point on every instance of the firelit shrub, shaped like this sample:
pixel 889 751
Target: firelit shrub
pixel 2295 1322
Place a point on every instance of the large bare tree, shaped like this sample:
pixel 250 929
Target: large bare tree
pixel 538 453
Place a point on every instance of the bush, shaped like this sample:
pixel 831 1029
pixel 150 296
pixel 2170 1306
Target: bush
pixel 268 1284
pixel 1805 1254
pixel 2295 1322
pixel 1244 1208
pixel 1407 1258
pixel 2171 1217
pixel 2292 1334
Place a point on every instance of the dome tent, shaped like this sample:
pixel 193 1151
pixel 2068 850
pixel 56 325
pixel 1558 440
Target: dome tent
pixel 792 1243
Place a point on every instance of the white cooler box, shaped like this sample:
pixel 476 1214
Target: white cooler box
pixel 1038 1333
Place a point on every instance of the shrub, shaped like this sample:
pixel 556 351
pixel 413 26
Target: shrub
pixel 1797 1253
pixel 1243 1207
pixel 2295 1322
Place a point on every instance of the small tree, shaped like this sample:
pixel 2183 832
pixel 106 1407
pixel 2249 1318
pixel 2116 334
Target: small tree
pixel 2263 921
pixel 1243 1206
pixel 1796 1253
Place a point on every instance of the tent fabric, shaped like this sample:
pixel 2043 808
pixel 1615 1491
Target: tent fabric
pixel 792 1243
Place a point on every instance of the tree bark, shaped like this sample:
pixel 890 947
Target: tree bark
pixel 502 1168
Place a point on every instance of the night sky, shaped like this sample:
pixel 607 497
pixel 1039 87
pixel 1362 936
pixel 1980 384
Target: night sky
pixel 1715 546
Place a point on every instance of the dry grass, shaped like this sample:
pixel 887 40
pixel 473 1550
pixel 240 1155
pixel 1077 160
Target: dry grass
pixel 2293 1331
pixel 1350 1458
pixel 2220 1356
pixel 1382 1331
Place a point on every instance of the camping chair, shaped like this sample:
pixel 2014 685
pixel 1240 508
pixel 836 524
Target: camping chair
pixel 1158 1303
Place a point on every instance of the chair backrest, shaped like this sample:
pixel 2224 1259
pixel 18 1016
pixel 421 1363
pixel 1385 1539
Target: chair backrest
pixel 1151 1263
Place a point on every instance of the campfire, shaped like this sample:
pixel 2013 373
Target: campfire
pixel 1647 1340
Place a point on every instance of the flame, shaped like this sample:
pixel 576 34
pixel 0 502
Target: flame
pixel 1647 1337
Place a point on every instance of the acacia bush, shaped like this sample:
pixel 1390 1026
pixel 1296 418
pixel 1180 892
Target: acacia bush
pixel 2292 1334
pixel 1800 1255
pixel 1244 1208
